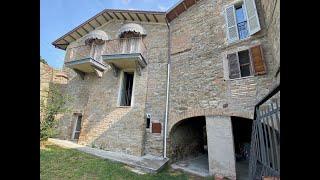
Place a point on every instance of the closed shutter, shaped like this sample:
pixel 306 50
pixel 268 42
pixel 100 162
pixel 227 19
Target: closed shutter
pixel 252 16
pixel 257 60
pixel 232 30
pixel 234 67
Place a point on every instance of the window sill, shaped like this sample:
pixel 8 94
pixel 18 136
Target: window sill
pixel 239 41
pixel 124 106
pixel 241 78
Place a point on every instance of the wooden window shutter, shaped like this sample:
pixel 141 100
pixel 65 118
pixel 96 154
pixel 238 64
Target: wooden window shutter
pixel 252 16
pixel 234 67
pixel 156 127
pixel 257 59
pixel 232 30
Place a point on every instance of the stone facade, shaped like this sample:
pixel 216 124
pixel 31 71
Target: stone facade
pixel 199 83
pixel 96 99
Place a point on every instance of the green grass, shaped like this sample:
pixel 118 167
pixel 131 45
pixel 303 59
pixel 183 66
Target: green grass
pixel 61 163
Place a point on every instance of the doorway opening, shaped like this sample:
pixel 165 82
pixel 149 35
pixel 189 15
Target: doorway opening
pixel 126 89
pixel 242 128
pixel 189 152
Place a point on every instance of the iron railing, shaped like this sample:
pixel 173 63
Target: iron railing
pixel 265 139
pixel 110 47
pixel 243 29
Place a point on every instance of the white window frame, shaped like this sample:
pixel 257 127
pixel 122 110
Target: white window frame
pixel 121 87
pixel 75 125
pixel 236 3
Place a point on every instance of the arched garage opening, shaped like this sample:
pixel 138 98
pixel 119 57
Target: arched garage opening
pixel 241 128
pixel 188 145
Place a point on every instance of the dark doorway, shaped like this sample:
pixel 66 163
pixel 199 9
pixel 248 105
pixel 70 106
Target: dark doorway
pixel 127 85
pixel 242 129
pixel 188 141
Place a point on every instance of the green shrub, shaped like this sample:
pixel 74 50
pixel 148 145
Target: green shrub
pixel 51 106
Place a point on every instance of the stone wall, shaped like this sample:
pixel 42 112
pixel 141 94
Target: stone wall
pixel 121 129
pixel 48 77
pixel 198 79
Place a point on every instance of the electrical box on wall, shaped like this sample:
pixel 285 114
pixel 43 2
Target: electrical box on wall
pixel 156 127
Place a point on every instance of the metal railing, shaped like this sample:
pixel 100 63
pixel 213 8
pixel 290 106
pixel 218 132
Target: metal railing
pixel 265 138
pixel 243 29
pixel 110 47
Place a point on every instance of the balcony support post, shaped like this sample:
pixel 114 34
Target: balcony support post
pixel 98 72
pixel 138 68
pixel 81 74
pixel 115 70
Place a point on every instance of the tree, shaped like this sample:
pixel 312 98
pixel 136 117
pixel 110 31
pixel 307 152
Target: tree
pixel 51 106
pixel 43 60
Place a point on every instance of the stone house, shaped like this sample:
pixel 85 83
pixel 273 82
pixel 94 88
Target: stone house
pixel 172 84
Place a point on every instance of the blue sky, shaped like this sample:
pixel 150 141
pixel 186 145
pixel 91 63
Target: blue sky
pixel 58 17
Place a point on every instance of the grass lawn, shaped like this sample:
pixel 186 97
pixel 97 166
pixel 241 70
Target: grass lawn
pixel 61 163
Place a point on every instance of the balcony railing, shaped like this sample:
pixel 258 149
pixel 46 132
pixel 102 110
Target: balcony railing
pixel 78 53
pixel 111 47
pixel 125 46
pixel 243 29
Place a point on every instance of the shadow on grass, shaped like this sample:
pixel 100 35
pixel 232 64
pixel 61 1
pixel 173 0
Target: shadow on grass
pixel 62 163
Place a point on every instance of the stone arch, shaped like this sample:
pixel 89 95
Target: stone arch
pixel 175 118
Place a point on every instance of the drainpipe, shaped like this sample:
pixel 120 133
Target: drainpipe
pixel 167 93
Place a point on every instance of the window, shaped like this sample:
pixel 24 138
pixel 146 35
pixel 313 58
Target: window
pixel 126 89
pixel 76 132
pixel 246 63
pixel 242 20
pixel 148 123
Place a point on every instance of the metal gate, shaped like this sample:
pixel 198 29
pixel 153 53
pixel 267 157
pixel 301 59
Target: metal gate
pixel 265 138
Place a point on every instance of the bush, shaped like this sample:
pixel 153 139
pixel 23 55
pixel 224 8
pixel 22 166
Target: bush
pixel 51 106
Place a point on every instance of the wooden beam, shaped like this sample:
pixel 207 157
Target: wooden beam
pixel 91 26
pixel 85 29
pixel 146 17
pixel 184 5
pixel 175 12
pixel 78 33
pixel 105 18
pixel 98 22
pixel 123 16
pixel 130 17
pixel 109 15
pixel 72 37
pixel 155 18
pixel 138 17
pixel 116 15
pixel 66 41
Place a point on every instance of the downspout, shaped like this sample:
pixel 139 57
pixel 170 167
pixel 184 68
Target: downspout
pixel 167 93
